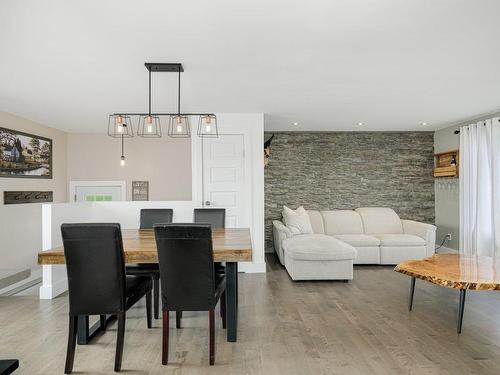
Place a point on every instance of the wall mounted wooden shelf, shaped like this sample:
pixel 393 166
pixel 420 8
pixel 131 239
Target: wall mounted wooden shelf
pixel 446 164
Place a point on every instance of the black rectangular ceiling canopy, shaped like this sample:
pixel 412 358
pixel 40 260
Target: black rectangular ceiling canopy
pixel 164 67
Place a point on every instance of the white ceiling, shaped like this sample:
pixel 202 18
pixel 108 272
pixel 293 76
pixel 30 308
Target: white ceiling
pixel 326 64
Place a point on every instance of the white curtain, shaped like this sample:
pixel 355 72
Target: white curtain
pixel 480 188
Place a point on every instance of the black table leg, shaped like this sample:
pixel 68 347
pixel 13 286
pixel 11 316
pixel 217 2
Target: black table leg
pixel 232 300
pixel 461 306
pixel 86 332
pixel 83 330
pixel 412 292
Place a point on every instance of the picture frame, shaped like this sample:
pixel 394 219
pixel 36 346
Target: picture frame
pixel 25 155
pixel 140 190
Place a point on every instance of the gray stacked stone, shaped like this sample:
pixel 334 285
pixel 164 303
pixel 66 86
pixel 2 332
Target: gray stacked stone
pixel 346 170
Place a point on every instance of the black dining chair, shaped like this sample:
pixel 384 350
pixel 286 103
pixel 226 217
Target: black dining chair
pixel 216 217
pixel 149 217
pixel 97 282
pixel 188 280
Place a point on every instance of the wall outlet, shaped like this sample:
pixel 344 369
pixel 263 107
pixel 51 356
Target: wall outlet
pixel 448 236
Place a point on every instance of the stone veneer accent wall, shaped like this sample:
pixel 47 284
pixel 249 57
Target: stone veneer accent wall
pixel 346 170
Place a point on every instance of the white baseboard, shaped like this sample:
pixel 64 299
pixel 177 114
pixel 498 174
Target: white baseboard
pixel 52 291
pixel 36 276
pixel 249 267
pixel 444 249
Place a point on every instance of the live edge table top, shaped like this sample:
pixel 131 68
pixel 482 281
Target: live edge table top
pixel 456 271
pixel 139 246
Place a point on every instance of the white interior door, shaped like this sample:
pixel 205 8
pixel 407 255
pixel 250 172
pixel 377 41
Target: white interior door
pixel 224 177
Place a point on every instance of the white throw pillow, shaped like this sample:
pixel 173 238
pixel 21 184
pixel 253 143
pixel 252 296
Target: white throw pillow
pixel 297 221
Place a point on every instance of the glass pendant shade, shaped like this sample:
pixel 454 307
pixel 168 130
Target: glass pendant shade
pixel 207 126
pixel 120 125
pixel 149 126
pixel 178 126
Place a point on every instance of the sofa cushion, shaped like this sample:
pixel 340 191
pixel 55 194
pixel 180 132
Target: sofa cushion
pixel 380 220
pixel 342 222
pixel 297 220
pixel 317 247
pixel 391 240
pixel 358 240
pixel 316 221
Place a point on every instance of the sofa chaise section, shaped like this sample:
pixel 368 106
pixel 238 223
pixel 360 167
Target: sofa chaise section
pixel 318 257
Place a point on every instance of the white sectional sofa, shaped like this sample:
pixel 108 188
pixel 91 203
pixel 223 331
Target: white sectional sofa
pixel 367 235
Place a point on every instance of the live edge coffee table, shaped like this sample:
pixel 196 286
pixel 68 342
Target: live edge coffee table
pixel 455 271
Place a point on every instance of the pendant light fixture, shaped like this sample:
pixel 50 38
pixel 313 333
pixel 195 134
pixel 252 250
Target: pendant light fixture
pixel 149 126
pixel 178 125
pixel 120 125
pixel 207 126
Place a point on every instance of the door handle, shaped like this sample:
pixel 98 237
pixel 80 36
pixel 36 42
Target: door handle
pixel 207 203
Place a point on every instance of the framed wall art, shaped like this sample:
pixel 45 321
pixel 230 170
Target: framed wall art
pixel 140 190
pixel 24 155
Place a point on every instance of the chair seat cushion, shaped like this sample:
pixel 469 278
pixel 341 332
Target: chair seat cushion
pixel 317 247
pixel 137 286
pixel 142 268
pixel 400 240
pixel 358 240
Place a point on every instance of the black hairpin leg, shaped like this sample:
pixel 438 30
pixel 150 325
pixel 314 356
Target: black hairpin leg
pixel 461 306
pixel 412 292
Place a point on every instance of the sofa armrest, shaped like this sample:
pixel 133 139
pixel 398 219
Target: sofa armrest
pixel 422 230
pixel 280 233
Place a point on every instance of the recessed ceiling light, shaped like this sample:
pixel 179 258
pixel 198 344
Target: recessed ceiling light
pixel 360 124
pixel 424 124
pixel 295 124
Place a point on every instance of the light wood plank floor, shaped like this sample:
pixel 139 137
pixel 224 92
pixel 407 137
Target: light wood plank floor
pixel 292 328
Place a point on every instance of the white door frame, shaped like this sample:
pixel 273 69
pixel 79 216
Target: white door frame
pixel 121 184
pixel 251 126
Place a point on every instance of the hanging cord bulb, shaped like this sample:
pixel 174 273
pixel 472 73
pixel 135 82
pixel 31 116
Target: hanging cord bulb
pixel 179 118
pixel 149 126
pixel 122 158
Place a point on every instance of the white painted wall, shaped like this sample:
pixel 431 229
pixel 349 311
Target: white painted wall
pixel 446 191
pixel 164 162
pixel 21 225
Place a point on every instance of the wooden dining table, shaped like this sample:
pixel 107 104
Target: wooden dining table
pixel 230 245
